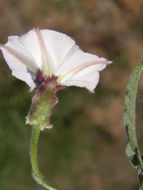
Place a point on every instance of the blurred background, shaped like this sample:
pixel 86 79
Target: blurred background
pixel 85 149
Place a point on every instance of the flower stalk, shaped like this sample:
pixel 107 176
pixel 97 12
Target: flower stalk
pixel 39 117
pixel 34 161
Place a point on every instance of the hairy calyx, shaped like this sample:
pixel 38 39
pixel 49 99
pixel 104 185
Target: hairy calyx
pixel 43 101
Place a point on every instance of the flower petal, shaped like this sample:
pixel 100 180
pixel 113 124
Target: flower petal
pixel 31 43
pixel 88 81
pixel 19 60
pixel 14 48
pixel 53 53
pixel 26 77
pixel 81 69
pixel 76 58
pixel 57 46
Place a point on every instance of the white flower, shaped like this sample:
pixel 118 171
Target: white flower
pixel 54 54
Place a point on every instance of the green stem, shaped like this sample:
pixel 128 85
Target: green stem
pixel 34 162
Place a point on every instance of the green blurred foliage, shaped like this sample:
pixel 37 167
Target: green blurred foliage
pixel 85 148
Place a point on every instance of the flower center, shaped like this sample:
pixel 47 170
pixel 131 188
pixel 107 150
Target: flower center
pixel 44 82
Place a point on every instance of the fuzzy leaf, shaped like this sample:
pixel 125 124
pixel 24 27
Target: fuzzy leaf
pixel 132 149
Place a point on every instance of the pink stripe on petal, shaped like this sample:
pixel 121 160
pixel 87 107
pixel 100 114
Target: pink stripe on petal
pixel 46 59
pixel 81 67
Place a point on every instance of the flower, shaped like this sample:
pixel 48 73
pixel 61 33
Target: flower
pixel 47 54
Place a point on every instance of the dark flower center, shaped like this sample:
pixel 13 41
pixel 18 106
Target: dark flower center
pixel 43 82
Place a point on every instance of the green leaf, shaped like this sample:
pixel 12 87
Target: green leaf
pixel 132 149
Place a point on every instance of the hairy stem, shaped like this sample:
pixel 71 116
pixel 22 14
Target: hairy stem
pixel 34 161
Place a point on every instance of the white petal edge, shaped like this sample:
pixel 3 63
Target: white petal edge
pixel 89 83
pixel 26 77
pixel 19 70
